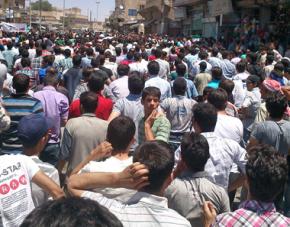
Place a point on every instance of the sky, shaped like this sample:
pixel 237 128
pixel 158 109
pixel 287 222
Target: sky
pixel 105 6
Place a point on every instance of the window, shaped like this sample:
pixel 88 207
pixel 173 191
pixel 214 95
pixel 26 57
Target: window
pixel 132 12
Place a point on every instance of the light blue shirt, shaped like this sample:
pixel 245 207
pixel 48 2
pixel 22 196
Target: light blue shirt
pixel 163 85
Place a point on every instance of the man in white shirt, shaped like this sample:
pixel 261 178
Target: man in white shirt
pixel 164 65
pixel 150 174
pixel 119 87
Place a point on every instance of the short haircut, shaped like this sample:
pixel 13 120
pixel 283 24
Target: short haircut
pixel 228 86
pixel 279 67
pixel 120 132
pixel 276 105
pixel 159 160
pixel 67 53
pixel 266 172
pixel 25 62
pixel 73 212
pixel 217 73
pixel 123 70
pixel 89 101
pixel 179 86
pixel 21 83
pixel 194 151
pixel 24 53
pixel 77 60
pixel 202 66
pixel 241 67
pixel 158 53
pixel 96 82
pixel 95 63
pixel 87 72
pixel 90 51
pixel 153 68
pixel 57 50
pixel 136 83
pixel 50 79
pixel 203 55
pixel 205 115
pixel 218 98
pixel 180 69
pixel 151 91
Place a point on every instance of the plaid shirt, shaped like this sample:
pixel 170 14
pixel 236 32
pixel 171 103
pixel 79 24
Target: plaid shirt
pixel 36 65
pixel 253 213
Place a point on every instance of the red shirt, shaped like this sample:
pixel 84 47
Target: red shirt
pixel 103 110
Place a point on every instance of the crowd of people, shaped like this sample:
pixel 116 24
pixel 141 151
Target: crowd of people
pixel 142 130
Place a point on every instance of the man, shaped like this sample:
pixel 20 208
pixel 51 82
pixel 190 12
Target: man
pixel 266 175
pixel 82 134
pixel 154 125
pixel 65 64
pixel 9 55
pixel 36 64
pixel 86 61
pixel 119 87
pixel 178 111
pixel 141 209
pixel 72 78
pixel 192 183
pixel 34 133
pixel 163 65
pixel 96 84
pixel 17 106
pixel 217 76
pixel 229 69
pixel 203 56
pixel 156 81
pixel 55 106
pixel 223 152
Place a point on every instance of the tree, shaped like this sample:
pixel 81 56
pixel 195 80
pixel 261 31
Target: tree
pixel 45 5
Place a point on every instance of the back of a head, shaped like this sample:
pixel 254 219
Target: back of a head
pixel 180 69
pixel 241 67
pixel 194 151
pixel 77 60
pixel 25 62
pixel 136 83
pixel 205 115
pixel 38 52
pixel 151 91
pixel 50 80
pixel 24 53
pixel 218 98
pixel 153 68
pixel 57 50
pixel 95 63
pixel 158 53
pixel 120 133
pixel 215 52
pixel 67 53
pixel 71 212
pixel 266 172
pixel 159 160
pixel 202 66
pixel 179 86
pixel 21 83
pixel 227 85
pixel 96 82
pixel 9 45
pixel 203 55
pixel 225 54
pixel 217 73
pixel 90 51
pixel 89 102
pixel 279 67
pixel 276 105
pixel 123 70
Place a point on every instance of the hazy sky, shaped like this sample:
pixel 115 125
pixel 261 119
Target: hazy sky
pixel 105 6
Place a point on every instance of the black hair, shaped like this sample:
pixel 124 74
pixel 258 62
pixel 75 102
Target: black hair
pixel 194 151
pixel 96 82
pixel 159 160
pixel 90 51
pixel 77 60
pixel 24 53
pixel 276 105
pixel 136 83
pixel 38 52
pixel 158 53
pixel 21 83
pixel 279 67
pixel 203 55
pixel 89 101
pixel 217 73
pixel 266 171
pixel 202 66
pixel 205 115
pixel 179 86
pixel 57 50
pixel 123 70
pixel 153 68
pixel 50 79
pixel 228 86
pixel 120 133
pixel 67 53
pixel 73 212
pixel 87 72
pixel 181 69
pixel 151 91
pixel 241 67
pixel 118 51
pixel 25 62
pixel 218 98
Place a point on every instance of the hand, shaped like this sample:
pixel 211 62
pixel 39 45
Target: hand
pixel 134 176
pixel 209 214
pixel 103 150
pixel 151 118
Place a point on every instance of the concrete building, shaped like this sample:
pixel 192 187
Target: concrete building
pixel 12 10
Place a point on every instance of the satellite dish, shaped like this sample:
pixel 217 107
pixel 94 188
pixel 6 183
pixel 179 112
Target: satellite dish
pixel 121 7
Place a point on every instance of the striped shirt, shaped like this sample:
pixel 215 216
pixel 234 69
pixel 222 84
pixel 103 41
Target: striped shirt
pixel 142 209
pixel 17 106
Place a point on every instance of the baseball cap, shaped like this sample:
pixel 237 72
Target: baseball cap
pixel 33 127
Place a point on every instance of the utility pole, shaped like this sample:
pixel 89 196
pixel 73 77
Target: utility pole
pixel 63 16
pixel 30 14
pixel 98 3
pixel 40 14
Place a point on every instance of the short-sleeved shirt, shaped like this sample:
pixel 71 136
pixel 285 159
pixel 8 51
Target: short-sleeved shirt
pixel 119 87
pixel 163 85
pixel 196 188
pixel 17 106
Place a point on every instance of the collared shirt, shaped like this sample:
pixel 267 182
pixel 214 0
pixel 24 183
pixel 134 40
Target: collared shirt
pixel 201 80
pixel 86 62
pixel 55 106
pixel 80 136
pixel 17 106
pixel 191 91
pixel 229 69
pixel 9 55
pixel 164 68
pixel 142 210
pixel 224 153
pixel 64 64
pixel 103 110
pixel 119 87
pixel 196 68
pixel 253 213
pixel 196 188
pixel 163 85
pixel 72 78
pixel 36 65
pixel 160 129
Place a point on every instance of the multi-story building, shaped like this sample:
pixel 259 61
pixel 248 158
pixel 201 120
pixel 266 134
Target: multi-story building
pixel 12 10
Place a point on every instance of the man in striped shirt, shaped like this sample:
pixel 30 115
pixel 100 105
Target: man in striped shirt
pixel 17 106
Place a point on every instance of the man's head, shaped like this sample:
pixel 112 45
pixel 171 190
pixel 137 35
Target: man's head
pixel 77 60
pixel 73 212
pixel 266 172
pixel 67 53
pixel 218 98
pixel 153 68
pixel 181 69
pixel 217 73
pixel 252 82
pixel 179 86
pixel 159 159
pixel 123 70
pixel 204 117
pixel 241 67
pixel 33 131
pixel 50 80
pixel 136 83
pixel 21 83
pixel 96 81
pixel 150 99
pixel 276 105
pixel 89 102
pixel 194 151
pixel 121 133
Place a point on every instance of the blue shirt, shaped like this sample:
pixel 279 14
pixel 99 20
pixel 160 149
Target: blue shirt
pixel 214 84
pixel 160 83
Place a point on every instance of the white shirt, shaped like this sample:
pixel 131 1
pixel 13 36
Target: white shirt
pixel 142 210
pixel 139 67
pixel 160 83
pixel 239 93
pixel 164 68
pixel 119 87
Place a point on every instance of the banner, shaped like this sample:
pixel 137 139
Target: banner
pixel 220 7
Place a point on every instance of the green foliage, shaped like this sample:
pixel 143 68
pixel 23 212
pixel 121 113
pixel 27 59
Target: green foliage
pixel 45 5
